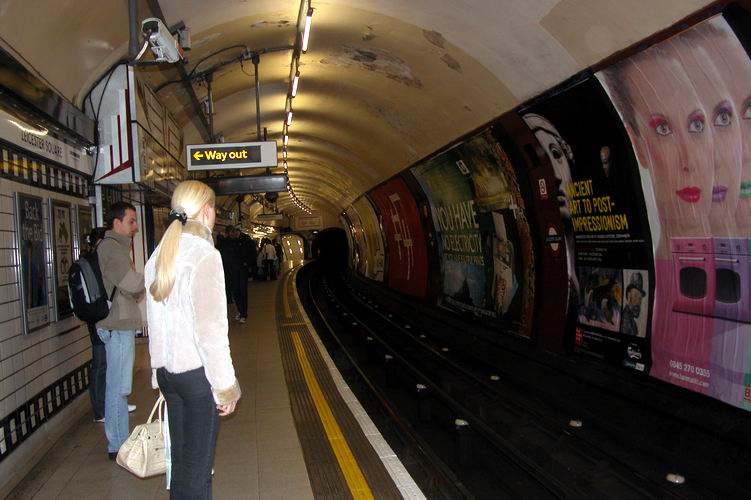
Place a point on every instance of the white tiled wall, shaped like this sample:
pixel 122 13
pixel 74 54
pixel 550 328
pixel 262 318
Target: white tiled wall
pixel 29 363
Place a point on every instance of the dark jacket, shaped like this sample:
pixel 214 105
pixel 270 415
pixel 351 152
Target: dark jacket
pixel 279 251
pixel 236 253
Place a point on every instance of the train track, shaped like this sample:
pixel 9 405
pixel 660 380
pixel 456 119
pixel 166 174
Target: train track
pixel 472 427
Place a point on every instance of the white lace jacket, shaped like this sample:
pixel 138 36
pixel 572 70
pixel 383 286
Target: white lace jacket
pixel 189 328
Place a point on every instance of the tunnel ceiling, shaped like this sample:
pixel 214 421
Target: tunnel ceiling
pixel 384 83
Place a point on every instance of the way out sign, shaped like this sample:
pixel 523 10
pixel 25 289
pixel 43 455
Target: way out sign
pixel 232 155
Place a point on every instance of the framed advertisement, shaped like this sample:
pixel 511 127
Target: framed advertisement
pixel 85 223
pixel 689 128
pixel 62 252
pixel 30 238
pixel 605 226
pixel 406 243
pixel 483 240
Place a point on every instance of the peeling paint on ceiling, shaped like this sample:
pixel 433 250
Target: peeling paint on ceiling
pixel 203 41
pixel 452 63
pixel 375 60
pixel 399 121
pixel 435 38
pixel 282 23
pixel 369 34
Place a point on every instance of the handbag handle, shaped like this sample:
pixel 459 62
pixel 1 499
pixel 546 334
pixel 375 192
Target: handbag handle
pixel 158 405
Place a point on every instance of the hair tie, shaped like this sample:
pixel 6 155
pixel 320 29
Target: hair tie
pixel 174 214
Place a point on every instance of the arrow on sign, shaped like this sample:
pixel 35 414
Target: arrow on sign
pixel 198 155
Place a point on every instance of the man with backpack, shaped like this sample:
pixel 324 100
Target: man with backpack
pixel 125 286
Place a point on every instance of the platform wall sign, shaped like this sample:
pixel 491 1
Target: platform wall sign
pixel 37 139
pixel 308 222
pixel 61 229
pixel 269 217
pixel 232 155
pixel 31 240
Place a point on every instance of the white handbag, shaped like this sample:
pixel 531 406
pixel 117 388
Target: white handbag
pixel 143 452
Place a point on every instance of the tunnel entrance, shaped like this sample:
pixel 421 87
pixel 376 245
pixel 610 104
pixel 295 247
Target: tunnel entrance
pixel 330 247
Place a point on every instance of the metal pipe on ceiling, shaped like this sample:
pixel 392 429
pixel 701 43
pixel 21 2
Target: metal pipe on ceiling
pixel 256 58
pixel 133 45
pixel 210 101
pixel 201 123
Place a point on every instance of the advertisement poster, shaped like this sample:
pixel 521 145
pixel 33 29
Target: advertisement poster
pixel 364 235
pixel 405 238
pixel 85 225
pixel 62 250
pixel 685 104
pixel 484 243
pixel 30 237
pixel 606 232
pixel 372 253
pixel 351 243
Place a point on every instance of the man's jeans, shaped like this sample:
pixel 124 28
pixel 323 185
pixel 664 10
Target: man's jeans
pixel 120 346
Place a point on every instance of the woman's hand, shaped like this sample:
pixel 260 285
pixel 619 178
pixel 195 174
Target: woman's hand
pixel 227 409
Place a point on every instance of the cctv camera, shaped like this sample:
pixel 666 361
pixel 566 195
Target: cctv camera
pixel 163 44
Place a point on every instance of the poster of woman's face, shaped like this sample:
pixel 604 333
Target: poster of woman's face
pixel 685 103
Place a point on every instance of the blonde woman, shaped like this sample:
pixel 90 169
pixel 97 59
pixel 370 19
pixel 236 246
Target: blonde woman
pixel 188 343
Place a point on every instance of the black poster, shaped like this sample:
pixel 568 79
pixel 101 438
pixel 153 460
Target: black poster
pixel 62 251
pixel 606 231
pixel 30 236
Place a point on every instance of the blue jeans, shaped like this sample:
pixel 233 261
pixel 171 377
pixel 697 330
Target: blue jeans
pixel 121 347
pixel 193 429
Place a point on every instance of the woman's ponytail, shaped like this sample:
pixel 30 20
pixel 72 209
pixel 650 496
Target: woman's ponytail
pixel 187 201
pixel 165 261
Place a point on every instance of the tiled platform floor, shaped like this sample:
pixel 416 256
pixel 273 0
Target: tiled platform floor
pixel 258 453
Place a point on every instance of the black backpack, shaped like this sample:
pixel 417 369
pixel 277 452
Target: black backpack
pixel 88 297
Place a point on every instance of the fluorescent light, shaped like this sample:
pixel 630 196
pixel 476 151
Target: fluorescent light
pixel 295 81
pixel 286 139
pixel 284 153
pixel 285 165
pixel 289 117
pixel 40 133
pixel 306 32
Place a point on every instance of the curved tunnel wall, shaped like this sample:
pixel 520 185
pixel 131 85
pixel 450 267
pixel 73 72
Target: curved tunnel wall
pixel 628 192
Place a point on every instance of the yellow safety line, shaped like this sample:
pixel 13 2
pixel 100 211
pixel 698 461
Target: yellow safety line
pixel 358 486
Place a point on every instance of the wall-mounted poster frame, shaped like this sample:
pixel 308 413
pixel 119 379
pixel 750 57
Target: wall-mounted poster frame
pixel 61 236
pixel 31 255
pixel 84 225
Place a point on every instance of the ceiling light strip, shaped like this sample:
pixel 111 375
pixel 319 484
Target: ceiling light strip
pixel 294 78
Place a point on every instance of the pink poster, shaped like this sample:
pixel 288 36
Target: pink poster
pixel 686 104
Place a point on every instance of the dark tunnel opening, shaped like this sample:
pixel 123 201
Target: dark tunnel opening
pixel 331 248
